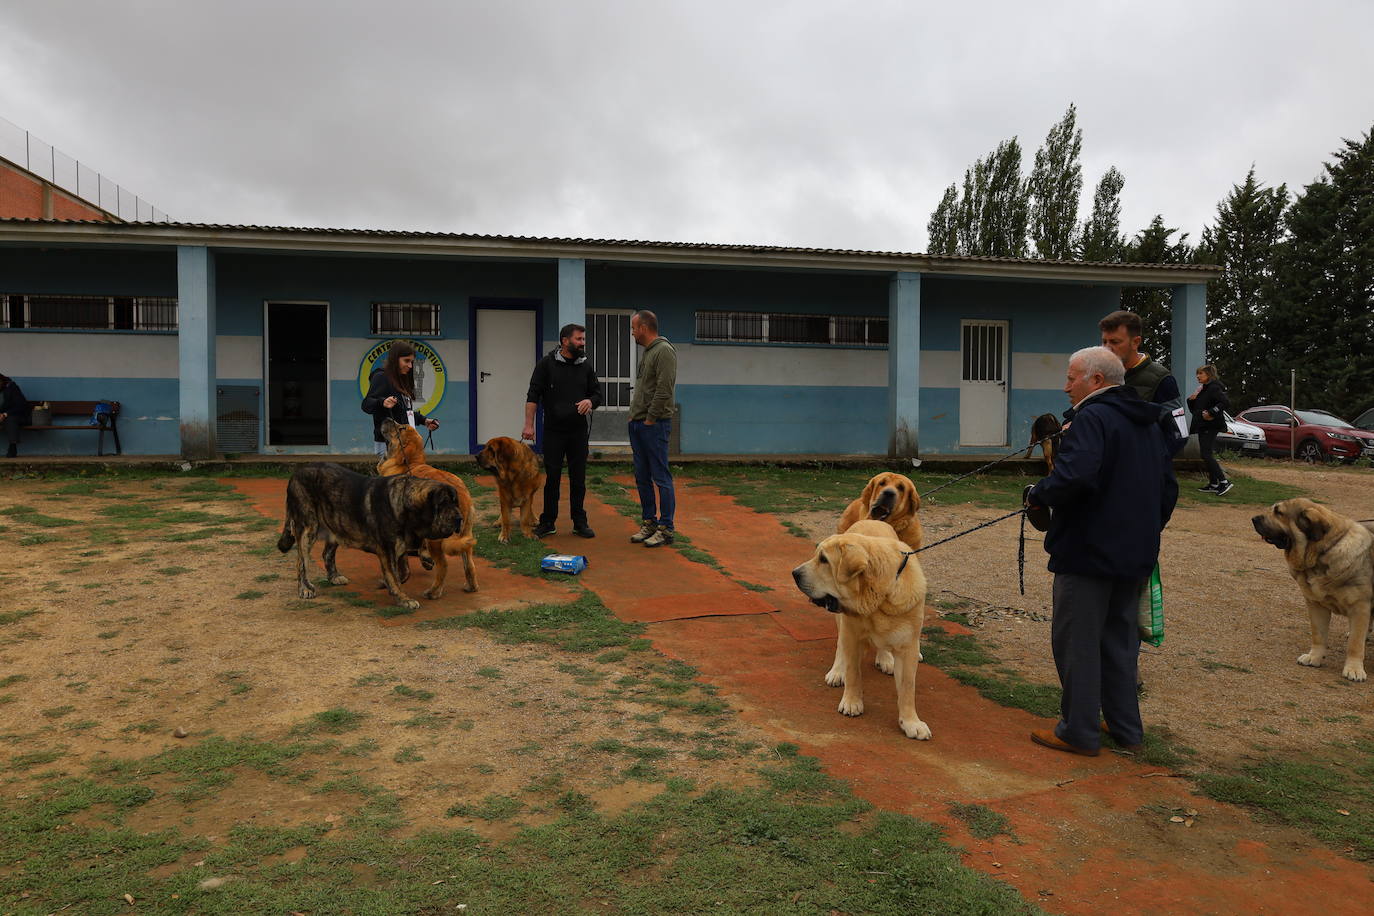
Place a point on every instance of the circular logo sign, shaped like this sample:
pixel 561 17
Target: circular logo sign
pixel 430 377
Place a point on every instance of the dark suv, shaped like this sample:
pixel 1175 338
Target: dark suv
pixel 1315 435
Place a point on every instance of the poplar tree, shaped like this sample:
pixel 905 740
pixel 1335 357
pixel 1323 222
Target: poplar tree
pixel 1243 242
pixel 995 207
pixel 943 227
pixel 1055 185
pixel 1100 238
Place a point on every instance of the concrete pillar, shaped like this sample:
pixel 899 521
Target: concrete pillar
pixel 196 349
pixel 1189 307
pixel 903 364
pixel 572 291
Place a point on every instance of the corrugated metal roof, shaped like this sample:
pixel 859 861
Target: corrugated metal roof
pixel 610 244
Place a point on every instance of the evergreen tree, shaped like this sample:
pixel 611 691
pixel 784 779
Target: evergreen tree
pixel 1101 238
pixel 943 227
pixel 1055 185
pixel 1324 288
pixel 1153 245
pixel 1243 243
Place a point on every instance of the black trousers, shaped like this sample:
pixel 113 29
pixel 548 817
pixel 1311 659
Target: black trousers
pixel 1207 443
pixel 568 444
pixel 1096 642
pixel 12 426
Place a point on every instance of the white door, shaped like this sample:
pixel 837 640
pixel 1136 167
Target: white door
pixel 614 356
pixel 506 349
pixel 983 383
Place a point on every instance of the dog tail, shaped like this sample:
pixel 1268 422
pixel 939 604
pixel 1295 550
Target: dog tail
pixel 286 541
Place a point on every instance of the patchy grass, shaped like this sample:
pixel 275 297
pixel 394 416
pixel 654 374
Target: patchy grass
pixel 983 822
pixel 965 660
pixel 1328 791
pixel 584 625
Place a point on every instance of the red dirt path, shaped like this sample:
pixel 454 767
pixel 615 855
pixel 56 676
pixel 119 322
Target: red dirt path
pixel 1091 835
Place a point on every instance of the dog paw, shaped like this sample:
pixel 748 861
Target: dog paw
pixel 920 656
pixel 409 604
pixel 504 538
pixel 850 707
pixel 469 589
pixel 834 677
pixel 338 580
pixel 427 562
pixel 307 591
pixel 915 728
pixel 433 593
pixel 1353 671
pixel 884 663
pixel 1311 659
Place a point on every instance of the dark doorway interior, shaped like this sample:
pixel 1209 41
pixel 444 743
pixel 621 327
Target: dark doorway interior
pixel 297 374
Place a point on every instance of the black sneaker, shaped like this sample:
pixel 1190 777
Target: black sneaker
pixel 584 531
pixel 1210 488
pixel 544 529
pixel 1223 488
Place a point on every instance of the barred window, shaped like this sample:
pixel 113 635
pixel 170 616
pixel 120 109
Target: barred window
pixel 95 313
pixel 790 328
pixel 409 319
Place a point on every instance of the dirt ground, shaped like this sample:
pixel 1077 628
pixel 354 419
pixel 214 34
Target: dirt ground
pixel 1226 681
pixel 124 625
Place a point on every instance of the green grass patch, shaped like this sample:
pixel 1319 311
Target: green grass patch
pixel 174 570
pixel 491 808
pixel 9 617
pixel 250 595
pixel 584 625
pixel 33 540
pixel 983 822
pixel 334 721
pixel 1328 792
pixel 30 516
pixel 1245 491
pixel 962 658
pixel 412 693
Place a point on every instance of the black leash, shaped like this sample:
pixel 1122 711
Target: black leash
pixel 429 443
pixel 1020 553
pixel 949 483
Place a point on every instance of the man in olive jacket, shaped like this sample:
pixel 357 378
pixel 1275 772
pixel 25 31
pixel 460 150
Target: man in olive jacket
pixel 651 421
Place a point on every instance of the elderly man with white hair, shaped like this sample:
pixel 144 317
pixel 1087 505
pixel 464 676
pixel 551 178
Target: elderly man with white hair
pixel 1111 494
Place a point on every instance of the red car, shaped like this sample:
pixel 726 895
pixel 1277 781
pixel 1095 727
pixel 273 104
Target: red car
pixel 1315 435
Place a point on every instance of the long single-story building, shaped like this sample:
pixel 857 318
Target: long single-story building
pixel 249 339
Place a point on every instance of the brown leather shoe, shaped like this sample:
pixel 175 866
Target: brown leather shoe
pixel 1128 748
pixel 1047 738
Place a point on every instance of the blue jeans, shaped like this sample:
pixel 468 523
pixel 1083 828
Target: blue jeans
pixel 650 447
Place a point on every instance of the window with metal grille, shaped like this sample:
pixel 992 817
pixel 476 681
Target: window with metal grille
pixel 411 319
pixel 94 313
pixel 792 328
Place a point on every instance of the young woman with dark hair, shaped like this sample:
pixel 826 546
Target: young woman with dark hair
pixel 391 394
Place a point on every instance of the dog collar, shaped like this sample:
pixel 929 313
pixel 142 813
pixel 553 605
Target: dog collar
pixel 906 555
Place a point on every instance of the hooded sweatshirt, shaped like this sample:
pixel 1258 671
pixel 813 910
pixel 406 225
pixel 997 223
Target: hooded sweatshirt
pixel 1112 490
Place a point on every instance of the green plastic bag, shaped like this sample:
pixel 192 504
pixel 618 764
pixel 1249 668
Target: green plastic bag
pixel 1150 612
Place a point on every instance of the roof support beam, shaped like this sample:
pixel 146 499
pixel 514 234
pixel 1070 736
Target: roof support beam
pixel 196 350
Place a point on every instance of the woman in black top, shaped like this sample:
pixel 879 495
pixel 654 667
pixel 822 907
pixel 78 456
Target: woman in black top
pixel 14 413
pixel 391 394
pixel 1207 404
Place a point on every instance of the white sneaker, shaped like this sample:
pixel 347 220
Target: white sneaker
pixel 645 532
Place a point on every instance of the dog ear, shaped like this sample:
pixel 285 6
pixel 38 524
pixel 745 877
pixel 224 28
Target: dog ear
pixel 871 489
pixel 915 498
pixel 852 562
pixel 1311 524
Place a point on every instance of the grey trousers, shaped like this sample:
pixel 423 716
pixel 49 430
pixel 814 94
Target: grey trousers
pixel 1096 642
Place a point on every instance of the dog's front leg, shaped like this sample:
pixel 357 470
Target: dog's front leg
pixel 852 702
pixel 505 516
pixel 1320 620
pixel 906 661
pixel 389 563
pixel 835 676
pixel 305 539
pixel 1354 649
pixel 436 587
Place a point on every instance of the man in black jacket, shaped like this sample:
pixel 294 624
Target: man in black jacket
pixel 1112 492
pixel 565 384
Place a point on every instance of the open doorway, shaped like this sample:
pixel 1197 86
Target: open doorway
pixel 298 373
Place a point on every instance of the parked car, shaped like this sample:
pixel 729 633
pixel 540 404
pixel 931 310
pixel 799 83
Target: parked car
pixel 1365 420
pixel 1240 436
pixel 1315 435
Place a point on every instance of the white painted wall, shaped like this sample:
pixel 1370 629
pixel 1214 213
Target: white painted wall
pixel 76 355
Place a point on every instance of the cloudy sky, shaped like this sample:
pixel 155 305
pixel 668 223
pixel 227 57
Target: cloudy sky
pixel 832 124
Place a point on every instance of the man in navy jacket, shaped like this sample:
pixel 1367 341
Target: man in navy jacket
pixel 1112 492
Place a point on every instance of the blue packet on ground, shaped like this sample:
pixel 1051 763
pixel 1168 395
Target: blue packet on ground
pixel 561 562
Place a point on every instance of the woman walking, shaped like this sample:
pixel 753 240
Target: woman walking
pixel 1207 404
pixel 14 413
pixel 391 394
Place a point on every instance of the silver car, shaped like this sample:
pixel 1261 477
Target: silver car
pixel 1240 436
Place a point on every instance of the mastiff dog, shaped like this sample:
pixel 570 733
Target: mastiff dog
pixel 868 578
pixel 385 516
pixel 518 478
pixel 1331 557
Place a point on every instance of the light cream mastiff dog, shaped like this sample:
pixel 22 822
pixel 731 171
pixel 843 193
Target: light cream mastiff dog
pixel 865 577
pixel 1331 557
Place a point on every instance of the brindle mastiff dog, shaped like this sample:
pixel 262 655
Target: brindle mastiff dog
pixel 385 516
pixel 1331 557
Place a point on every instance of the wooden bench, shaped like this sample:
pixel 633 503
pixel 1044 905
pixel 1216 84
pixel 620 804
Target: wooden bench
pixel 85 410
